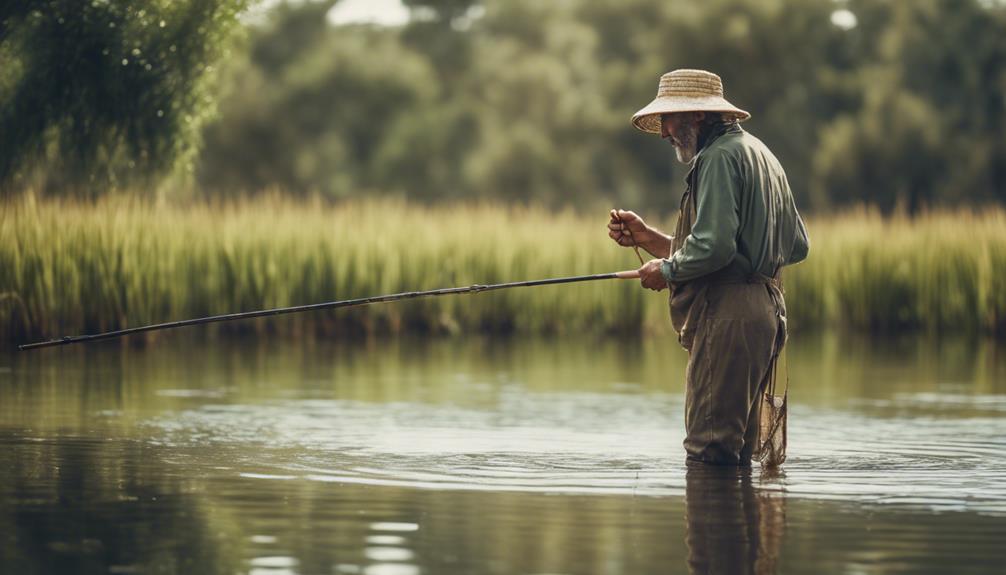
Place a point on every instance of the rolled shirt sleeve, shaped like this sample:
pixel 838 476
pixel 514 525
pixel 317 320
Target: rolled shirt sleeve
pixel 712 243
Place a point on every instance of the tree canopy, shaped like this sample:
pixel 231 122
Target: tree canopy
pixel 895 103
pixel 99 93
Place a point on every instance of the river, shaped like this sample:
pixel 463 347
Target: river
pixel 491 455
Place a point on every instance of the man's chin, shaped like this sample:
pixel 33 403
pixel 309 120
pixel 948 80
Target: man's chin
pixel 683 157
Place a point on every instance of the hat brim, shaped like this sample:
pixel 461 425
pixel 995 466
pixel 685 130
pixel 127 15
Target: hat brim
pixel 648 119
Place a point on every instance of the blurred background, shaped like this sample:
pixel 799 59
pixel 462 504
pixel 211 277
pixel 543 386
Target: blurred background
pixel 172 159
pixel 892 103
pixel 325 111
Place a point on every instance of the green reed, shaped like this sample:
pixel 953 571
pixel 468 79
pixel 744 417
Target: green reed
pixel 68 268
pixel 936 271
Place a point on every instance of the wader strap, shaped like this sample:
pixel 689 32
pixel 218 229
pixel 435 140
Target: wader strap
pixel 774 287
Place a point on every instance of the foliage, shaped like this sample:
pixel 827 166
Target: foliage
pixel 890 103
pixel 99 93
pixel 524 100
pixel 68 268
pixel 929 127
pixel 315 111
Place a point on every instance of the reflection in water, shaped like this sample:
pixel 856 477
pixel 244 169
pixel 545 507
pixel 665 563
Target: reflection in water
pixel 732 528
pixel 83 505
pixel 490 456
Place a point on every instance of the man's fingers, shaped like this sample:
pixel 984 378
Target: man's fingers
pixel 655 286
pixel 623 215
pixel 620 236
pixel 650 276
pixel 622 226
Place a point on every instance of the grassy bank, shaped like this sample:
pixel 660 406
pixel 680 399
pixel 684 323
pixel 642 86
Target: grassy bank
pixel 68 268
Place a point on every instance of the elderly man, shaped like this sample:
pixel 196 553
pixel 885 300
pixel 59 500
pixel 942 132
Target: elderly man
pixel 737 227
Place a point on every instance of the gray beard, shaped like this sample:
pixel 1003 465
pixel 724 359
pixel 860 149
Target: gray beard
pixel 684 156
pixel 689 142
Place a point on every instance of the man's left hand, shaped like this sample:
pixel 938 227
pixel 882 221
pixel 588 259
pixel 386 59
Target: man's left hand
pixel 651 277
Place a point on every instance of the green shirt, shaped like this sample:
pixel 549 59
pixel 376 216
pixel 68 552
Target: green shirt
pixel 745 215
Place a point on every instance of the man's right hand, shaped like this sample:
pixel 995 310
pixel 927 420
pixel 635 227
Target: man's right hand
pixel 628 229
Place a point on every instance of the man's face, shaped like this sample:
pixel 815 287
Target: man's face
pixel 682 131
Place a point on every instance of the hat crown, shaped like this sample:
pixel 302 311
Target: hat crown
pixel 686 91
pixel 690 84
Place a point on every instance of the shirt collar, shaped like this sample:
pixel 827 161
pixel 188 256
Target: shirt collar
pixel 714 134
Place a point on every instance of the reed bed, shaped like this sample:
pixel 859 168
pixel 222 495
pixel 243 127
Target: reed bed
pixel 68 268
pixel 938 271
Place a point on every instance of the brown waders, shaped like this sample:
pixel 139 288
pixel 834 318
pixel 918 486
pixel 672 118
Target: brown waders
pixel 734 326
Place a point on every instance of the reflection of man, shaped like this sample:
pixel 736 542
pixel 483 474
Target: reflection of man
pixel 737 227
pixel 732 528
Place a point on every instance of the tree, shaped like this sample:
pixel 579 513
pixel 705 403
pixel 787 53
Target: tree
pixel 101 93
pixel 315 109
pixel 929 129
pixel 861 100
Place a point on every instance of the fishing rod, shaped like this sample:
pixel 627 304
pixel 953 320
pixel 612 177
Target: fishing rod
pixel 477 288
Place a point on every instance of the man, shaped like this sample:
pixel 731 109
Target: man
pixel 737 227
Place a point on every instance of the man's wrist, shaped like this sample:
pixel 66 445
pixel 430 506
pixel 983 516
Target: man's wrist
pixel 644 239
pixel 657 243
pixel 667 269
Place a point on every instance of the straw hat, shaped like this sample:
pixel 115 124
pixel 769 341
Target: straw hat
pixel 686 91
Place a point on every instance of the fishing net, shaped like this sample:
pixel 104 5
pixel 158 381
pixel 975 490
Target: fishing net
pixel 772 429
pixel 771 450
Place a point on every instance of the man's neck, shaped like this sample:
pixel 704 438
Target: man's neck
pixel 710 132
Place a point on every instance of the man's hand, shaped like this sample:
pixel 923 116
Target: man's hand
pixel 651 277
pixel 628 229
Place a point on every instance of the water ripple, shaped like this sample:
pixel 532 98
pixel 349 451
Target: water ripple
pixel 605 443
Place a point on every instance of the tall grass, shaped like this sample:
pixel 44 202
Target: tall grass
pixel 68 268
pixel 937 271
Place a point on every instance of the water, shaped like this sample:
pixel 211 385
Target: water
pixel 487 455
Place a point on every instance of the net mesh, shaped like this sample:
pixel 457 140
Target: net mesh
pixel 771 450
pixel 772 429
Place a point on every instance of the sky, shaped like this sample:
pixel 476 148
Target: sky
pixel 386 12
